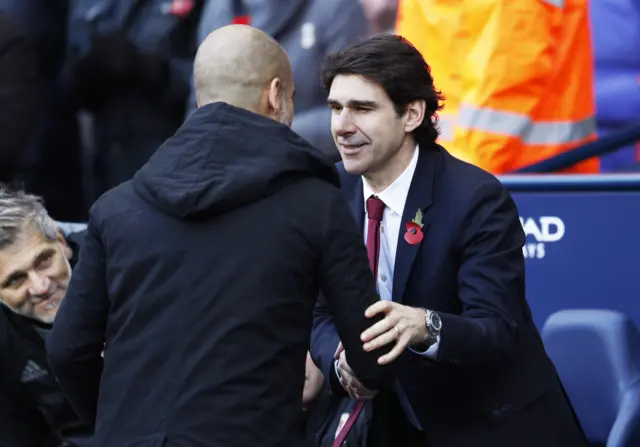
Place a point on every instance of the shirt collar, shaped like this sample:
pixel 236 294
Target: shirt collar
pixel 395 195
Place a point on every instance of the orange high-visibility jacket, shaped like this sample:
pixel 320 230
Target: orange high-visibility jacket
pixel 517 76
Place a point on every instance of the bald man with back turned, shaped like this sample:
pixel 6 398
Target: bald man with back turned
pixel 199 276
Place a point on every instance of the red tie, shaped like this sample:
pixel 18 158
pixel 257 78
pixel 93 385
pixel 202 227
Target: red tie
pixel 375 209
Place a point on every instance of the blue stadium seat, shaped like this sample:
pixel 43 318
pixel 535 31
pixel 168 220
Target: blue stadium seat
pixel 597 355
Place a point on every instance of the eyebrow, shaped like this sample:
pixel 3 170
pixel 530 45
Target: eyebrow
pixel 354 103
pixel 18 273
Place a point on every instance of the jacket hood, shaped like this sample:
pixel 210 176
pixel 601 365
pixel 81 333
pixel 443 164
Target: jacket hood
pixel 224 157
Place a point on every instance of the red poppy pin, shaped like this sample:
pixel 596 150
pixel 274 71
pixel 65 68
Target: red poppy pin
pixel 181 8
pixel 414 229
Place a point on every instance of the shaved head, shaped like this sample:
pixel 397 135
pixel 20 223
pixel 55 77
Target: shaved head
pixel 244 67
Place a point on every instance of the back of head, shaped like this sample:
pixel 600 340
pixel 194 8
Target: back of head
pixel 244 67
pixel 398 67
pixel 238 146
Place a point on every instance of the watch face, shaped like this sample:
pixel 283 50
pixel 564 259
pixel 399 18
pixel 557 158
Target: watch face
pixel 436 322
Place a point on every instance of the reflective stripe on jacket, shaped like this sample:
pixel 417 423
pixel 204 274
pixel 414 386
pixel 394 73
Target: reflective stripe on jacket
pixel 517 77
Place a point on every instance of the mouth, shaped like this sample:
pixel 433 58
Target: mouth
pixel 352 149
pixel 50 303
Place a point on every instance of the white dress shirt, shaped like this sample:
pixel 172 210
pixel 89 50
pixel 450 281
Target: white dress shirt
pixel 394 198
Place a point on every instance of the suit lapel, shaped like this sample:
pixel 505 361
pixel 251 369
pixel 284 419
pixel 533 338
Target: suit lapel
pixel 357 204
pixel 420 197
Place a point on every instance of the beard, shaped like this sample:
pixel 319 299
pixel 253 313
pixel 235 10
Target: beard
pixel 283 115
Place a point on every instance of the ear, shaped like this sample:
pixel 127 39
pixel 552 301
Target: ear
pixel 414 115
pixel 275 96
pixel 68 253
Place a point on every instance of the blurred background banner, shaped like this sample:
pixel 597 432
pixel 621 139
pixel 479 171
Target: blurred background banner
pixel 582 242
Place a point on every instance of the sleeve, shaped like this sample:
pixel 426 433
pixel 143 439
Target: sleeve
pixel 75 345
pixel 431 352
pixel 324 342
pixel 509 81
pixel 20 427
pixel 491 283
pixel 348 287
pixel 19 91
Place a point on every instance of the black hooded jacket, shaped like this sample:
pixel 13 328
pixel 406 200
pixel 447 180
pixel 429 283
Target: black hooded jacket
pixel 210 261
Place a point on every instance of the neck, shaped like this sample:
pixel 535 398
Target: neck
pixel 380 179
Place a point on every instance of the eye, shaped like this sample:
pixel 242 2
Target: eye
pixel 336 108
pixel 15 282
pixel 45 261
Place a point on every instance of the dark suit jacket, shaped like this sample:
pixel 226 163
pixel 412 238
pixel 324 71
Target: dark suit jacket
pixel 492 383
pixel 201 276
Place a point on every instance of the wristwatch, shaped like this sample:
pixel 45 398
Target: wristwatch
pixel 433 322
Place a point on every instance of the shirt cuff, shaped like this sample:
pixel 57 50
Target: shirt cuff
pixel 335 366
pixel 431 353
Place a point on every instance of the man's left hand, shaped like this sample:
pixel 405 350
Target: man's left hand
pixel 402 325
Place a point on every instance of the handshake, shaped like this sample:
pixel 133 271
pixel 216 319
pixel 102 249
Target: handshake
pixel 402 325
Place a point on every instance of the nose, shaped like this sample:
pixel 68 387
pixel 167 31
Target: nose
pixel 343 123
pixel 38 284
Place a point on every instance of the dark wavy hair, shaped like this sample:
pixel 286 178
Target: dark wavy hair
pixel 395 64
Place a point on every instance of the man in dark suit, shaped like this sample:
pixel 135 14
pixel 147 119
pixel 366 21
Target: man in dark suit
pixel 201 274
pixel 447 244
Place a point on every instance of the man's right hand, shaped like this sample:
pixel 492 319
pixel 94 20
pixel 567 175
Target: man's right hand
pixel 348 378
